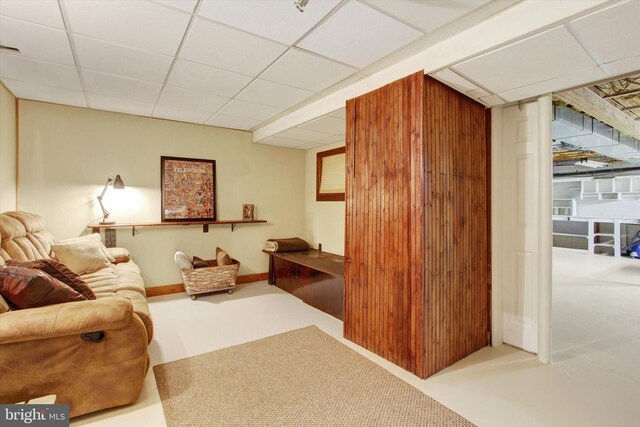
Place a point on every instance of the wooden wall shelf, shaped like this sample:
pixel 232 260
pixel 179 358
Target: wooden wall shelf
pixel 95 228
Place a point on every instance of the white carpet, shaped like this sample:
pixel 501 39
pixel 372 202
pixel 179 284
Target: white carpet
pixel 594 381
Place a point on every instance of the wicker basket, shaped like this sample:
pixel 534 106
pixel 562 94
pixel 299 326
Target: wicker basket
pixel 211 279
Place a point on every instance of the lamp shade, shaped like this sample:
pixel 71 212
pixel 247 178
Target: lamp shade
pixel 118 184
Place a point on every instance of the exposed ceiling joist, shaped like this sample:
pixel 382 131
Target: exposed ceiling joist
pixel 622 94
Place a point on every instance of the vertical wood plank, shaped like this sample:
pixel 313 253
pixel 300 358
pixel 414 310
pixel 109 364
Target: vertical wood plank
pixel 416 246
pixel 456 236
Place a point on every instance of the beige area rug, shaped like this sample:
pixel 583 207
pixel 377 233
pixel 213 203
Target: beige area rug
pixel 299 378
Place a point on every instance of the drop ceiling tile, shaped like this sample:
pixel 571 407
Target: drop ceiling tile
pixel 186 5
pixel 326 124
pixel 427 15
pixel 170 112
pixel 456 81
pixel 478 93
pixel 310 145
pixel 554 85
pixel 34 71
pixel 542 57
pixel 492 100
pixel 303 135
pixel 275 94
pixel 191 99
pixel 138 24
pixel 332 139
pixel 276 20
pixel 306 71
pixel 109 58
pixel 120 105
pixel 203 78
pixel 44 12
pixel 280 142
pixel 340 113
pixel 38 92
pixel 613 33
pixel 358 35
pixel 250 110
pixel 36 41
pixel 114 86
pixel 624 66
pixel 232 122
pixel 230 49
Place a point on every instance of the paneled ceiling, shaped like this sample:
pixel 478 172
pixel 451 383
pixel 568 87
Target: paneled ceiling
pixel 228 63
pixel 243 64
pixel 590 48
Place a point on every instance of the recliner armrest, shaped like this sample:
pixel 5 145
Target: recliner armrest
pixel 65 319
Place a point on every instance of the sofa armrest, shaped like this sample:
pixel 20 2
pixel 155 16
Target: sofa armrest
pixel 65 319
pixel 119 255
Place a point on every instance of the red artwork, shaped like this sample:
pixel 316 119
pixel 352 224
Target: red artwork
pixel 188 189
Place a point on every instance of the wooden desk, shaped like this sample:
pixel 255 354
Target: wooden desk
pixel 317 278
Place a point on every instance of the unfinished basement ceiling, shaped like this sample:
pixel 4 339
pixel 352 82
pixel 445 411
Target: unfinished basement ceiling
pixel 624 94
pixel 598 127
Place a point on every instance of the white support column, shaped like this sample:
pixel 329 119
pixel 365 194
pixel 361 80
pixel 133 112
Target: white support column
pixel 496 227
pixel 545 240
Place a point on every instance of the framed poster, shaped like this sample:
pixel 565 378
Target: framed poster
pixel 188 189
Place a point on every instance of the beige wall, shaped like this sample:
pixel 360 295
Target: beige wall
pixel 66 154
pixel 7 150
pixel 324 220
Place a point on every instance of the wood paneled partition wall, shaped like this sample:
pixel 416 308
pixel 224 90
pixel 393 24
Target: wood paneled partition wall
pixel 416 248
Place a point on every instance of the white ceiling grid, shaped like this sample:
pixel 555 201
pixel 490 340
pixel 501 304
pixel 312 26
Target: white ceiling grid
pixel 242 63
pixel 590 48
pixel 235 63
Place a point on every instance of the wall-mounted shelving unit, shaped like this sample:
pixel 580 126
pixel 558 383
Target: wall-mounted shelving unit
pixel 596 236
pixel 585 213
pixel 610 188
pixel 95 228
pixel 565 207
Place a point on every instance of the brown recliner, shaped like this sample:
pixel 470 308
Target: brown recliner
pixel 91 354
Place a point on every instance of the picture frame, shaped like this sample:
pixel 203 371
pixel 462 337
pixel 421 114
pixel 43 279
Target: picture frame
pixel 188 189
pixel 330 175
pixel 248 212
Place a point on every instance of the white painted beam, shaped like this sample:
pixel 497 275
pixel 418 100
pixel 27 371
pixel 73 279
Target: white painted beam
pixel 545 237
pixel 521 20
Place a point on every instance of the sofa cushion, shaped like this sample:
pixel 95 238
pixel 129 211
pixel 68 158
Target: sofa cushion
pixel 28 288
pixel 16 244
pixel 25 236
pixel 82 255
pixel 123 276
pixel 122 280
pixel 59 271
pixel 4 307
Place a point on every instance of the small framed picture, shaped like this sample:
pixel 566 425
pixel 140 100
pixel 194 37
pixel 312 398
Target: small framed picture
pixel 248 212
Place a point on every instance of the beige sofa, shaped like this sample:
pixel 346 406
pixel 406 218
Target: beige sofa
pixel 41 349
